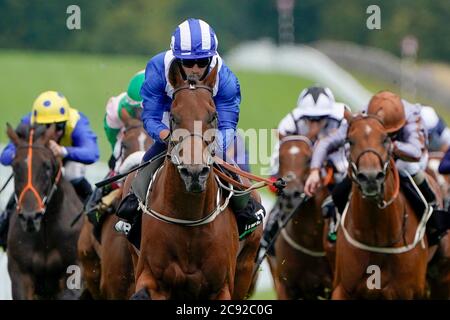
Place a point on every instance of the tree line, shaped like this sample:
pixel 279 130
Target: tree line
pixel 145 26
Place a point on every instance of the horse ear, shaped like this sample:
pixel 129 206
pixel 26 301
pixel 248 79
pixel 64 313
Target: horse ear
pixel 175 77
pixel 210 79
pixel 12 135
pixel 125 115
pixel 348 115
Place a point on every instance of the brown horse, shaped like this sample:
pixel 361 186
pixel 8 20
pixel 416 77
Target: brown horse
pixel 300 268
pixel 381 248
pixel 107 265
pixel 189 243
pixel 41 241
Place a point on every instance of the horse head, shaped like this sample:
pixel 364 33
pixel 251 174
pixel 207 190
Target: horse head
pixel 193 126
pixel 36 173
pixel 295 158
pixel 135 138
pixel 369 154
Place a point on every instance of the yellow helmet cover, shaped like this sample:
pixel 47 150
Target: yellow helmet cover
pixel 50 107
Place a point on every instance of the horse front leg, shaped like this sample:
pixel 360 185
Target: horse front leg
pixel 22 285
pixel 90 263
pixel 440 281
pixel 339 293
pixel 224 294
pixel 244 281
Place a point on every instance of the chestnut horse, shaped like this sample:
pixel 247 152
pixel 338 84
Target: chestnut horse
pixel 42 243
pixel 300 268
pixel 189 244
pixel 381 248
pixel 107 265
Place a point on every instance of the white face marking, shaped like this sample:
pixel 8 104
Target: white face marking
pixel 367 130
pixel 294 150
pixel 141 140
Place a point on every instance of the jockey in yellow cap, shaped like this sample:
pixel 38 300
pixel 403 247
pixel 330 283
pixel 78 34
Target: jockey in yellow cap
pixel 75 142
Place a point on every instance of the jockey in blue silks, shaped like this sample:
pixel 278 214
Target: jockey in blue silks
pixel 194 48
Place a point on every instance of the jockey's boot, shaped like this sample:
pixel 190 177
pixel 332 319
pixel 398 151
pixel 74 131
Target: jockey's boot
pixel 329 212
pixel 335 204
pixel 248 217
pixel 83 188
pixel 439 222
pixel 249 212
pixel 92 205
pixel 4 221
pixel 270 231
pixel 427 192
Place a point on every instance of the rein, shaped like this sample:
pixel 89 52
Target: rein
pixel 42 202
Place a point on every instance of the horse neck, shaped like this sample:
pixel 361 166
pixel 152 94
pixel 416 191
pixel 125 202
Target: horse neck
pixel 373 225
pixel 180 204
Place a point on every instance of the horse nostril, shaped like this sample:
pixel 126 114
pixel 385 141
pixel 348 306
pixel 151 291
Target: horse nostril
pixel 205 171
pixel 296 194
pixel 380 176
pixel 184 172
pixel 361 177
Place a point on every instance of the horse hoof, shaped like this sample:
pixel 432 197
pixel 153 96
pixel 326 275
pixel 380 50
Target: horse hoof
pixel 141 295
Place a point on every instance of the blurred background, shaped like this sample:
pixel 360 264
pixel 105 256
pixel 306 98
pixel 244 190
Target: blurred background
pixel 275 47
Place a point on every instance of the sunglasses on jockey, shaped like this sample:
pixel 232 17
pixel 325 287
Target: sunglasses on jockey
pixel 314 118
pixel 59 126
pixel 201 63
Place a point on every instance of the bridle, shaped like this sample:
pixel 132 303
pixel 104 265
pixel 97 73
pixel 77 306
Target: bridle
pixel 42 201
pixel 385 164
pixel 172 154
pixel 175 145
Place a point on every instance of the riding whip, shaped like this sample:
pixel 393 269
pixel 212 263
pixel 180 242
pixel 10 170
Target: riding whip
pixel 7 182
pixel 261 256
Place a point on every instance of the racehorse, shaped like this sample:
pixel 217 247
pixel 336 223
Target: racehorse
pixel 381 249
pixel 107 265
pixel 189 243
pixel 300 268
pixel 41 240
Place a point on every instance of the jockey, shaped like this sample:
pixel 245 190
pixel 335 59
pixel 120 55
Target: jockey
pixel 406 128
pixel 76 143
pixel 438 132
pixel 194 49
pixel 118 109
pixel 316 111
pixel 314 105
